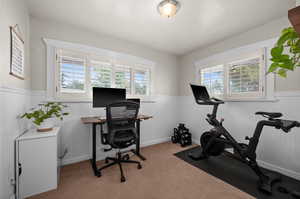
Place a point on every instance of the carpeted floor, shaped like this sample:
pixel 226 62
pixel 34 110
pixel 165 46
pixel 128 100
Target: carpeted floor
pixel 163 176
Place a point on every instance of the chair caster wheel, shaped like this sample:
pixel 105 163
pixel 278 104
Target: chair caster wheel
pixel 123 179
pixel 126 157
pixel 139 166
pixel 98 174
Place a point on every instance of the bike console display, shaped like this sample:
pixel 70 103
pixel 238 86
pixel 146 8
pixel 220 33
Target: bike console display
pixel 202 97
pixel 200 92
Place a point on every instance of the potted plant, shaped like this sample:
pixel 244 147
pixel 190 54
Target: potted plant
pixel 43 115
pixel 286 53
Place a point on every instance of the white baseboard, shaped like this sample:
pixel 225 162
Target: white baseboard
pixel 196 141
pixel 155 141
pixel 88 156
pixel 75 159
pixel 287 172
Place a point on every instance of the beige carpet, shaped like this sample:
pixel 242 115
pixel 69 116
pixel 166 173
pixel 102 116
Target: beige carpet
pixel 163 176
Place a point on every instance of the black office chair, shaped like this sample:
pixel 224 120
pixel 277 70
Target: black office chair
pixel 121 124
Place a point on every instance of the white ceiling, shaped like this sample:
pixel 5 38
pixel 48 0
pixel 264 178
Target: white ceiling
pixel 198 23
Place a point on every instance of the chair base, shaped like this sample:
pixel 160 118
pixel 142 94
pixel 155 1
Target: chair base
pixel 119 160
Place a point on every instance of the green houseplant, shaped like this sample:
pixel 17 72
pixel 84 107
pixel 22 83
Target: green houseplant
pixel 286 53
pixel 42 115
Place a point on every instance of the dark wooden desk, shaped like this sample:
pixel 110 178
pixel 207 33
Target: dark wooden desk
pixel 94 121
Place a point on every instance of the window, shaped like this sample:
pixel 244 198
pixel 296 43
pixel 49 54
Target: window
pixel 239 79
pixel 213 79
pixel 244 76
pixel 140 80
pixel 78 73
pixel 72 75
pixel 101 74
pixel 123 78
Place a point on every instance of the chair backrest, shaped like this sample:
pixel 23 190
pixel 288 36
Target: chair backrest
pixel 121 115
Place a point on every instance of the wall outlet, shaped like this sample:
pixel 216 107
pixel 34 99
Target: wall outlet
pixel 13 187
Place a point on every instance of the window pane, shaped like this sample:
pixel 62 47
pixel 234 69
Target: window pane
pixel 213 79
pixel 140 82
pixel 244 76
pixel 217 84
pixel 122 79
pixel 72 75
pixel 101 75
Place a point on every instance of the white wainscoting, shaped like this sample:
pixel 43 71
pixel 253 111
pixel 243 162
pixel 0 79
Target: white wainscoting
pixel 276 150
pixel 77 136
pixel 13 102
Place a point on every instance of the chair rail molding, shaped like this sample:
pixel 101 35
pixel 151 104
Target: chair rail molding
pixel 15 90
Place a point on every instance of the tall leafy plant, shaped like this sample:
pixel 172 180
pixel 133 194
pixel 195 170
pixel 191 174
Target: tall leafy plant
pixel 286 53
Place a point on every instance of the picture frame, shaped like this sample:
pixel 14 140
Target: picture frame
pixel 17 53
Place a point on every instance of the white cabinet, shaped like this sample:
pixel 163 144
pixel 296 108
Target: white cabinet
pixel 37 162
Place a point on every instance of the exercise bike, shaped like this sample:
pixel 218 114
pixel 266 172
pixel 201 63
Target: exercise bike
pixel 218 139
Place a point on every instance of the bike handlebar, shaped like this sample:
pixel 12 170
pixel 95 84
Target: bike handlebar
pixel 210 101
pixel 287 125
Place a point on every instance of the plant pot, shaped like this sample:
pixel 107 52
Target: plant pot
pixel 294 17
pixel 46 125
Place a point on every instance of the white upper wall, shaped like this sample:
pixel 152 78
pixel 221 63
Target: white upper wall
pixel 13 12
pixel 197 24
pixel 165 73
pixel 264 32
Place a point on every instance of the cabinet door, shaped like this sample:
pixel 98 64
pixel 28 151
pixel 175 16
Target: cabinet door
pixel 17 168
pixel 38 158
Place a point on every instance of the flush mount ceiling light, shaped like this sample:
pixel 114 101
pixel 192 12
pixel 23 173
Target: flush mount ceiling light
pixel 168 8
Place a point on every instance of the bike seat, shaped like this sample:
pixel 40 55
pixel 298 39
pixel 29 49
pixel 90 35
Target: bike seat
pixel 269 115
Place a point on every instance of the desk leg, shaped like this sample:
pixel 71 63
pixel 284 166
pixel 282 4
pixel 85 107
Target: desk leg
pixel 94 151
pixel 138 147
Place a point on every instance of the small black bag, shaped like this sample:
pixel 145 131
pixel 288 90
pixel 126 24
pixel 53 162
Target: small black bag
pixel 182 136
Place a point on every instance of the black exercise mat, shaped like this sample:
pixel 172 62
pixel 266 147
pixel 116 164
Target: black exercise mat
pixel 239 175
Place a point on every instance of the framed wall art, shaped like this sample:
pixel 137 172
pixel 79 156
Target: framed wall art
pixel 17 53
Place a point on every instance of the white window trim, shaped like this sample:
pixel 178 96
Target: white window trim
pixel 237 54
pixel 112 56
pixel 262 71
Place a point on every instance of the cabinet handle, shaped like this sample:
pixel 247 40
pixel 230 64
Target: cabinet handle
pixel 20 168
pixel 64 154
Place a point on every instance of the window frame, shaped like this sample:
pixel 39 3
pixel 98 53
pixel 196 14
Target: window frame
pixel 248 95
pixel 68 95
pixel 266 92
pixel 90 54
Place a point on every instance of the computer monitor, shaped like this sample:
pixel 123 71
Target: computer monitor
pixel 136 100
pixel 104 96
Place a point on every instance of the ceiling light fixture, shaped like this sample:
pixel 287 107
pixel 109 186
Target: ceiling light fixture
pixel 168 8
